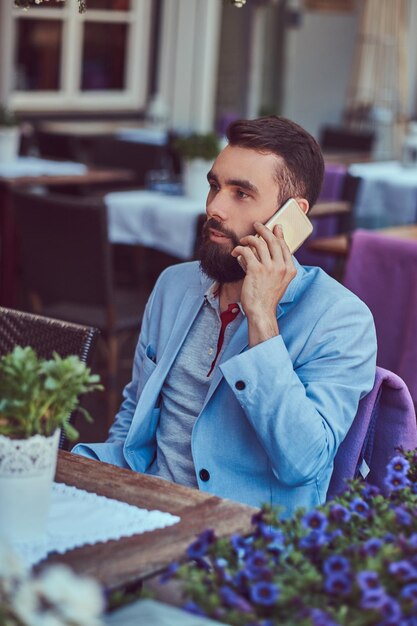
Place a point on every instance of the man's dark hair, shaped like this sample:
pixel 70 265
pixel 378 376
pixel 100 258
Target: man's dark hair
pixel 301 174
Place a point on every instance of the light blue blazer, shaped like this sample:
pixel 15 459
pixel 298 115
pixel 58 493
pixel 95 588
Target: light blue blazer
pixel 274 414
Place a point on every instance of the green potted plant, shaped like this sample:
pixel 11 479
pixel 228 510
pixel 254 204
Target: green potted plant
pixel 198 151
pixel 36 397
pixel 9 135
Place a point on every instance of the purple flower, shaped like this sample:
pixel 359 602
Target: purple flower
pixel 192 607
pixel 371 547
pixel 410 593
pixel 398 465
pixel 368 581
pixel 412 541
pixel 169 573
pixel 402 516
pixel 396 482
pixel 315 520
pixel 239 544
pixel 242 579
pixel 403 570
pixel 270 533
pixel 234 600
pixel 391 609
pixel 336 564
pixel 339 584
pixel 264 593
pixel 208 535
pixel 256 562
pixel 374 599
pixel 321 618
pixel 313 540
pixel 221 571
pixel 370 491
pixel 359 506
pixel 339 513
pixel 199 547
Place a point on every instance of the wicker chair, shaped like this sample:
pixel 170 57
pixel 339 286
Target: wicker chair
pixel 45 336
pixel 67 271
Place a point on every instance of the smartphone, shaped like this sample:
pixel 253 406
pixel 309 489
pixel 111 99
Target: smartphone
pixel 295 224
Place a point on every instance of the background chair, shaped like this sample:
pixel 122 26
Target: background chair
pixel 343 139
pixel 135 156
pixel 333 214
pixel 382 271
pixel 385 420
pixel 46 336
pixel 66 263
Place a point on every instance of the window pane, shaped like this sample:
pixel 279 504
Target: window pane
pixel 104 56
pixel 50 4
pixel 109 5
pixel 38 54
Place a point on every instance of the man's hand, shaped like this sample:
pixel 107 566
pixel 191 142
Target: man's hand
pixel 269 271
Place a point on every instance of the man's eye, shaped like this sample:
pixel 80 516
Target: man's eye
pixel 213 186
pixel 241 194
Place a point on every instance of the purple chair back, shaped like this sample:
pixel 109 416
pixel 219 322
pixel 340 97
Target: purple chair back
pixel 382 271
pixel 385 420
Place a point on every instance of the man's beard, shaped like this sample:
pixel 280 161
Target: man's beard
pixel 215 259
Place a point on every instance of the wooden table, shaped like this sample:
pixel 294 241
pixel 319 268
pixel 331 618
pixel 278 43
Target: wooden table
pixel 132 559
pixel 8 260
pixel 339 244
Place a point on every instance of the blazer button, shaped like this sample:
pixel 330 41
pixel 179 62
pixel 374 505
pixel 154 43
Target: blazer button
pixel 240 385
pixel 204 475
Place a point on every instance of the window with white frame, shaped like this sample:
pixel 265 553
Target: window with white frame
pixel 64 60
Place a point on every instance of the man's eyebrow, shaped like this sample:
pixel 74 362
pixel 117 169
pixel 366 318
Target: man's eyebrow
pixel 244 184
pixel 235 182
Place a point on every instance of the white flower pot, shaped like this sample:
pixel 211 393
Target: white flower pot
pixel 27 470
pixel 9 143
pixel 195 179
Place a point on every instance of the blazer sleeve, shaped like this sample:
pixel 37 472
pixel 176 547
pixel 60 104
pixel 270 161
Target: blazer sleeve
pixel 302 410
pixel 111 451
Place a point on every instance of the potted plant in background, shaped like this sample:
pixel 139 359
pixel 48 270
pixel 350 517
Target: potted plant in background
pixel 9 135
pixel 36 398
pixel 198 151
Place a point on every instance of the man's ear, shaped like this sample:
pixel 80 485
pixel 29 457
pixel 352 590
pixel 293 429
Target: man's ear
pixel 304 204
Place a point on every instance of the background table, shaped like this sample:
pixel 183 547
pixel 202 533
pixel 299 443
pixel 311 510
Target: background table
pixel 387 194
pixel 132 559
pixel 153 219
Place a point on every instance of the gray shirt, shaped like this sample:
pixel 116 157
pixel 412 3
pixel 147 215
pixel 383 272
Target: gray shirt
pixel 185 389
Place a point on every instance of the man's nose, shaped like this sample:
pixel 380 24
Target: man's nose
pixel 216 207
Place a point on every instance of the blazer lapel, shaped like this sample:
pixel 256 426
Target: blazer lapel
pixel 239 341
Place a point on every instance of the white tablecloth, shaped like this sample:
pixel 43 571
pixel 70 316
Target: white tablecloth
pixel 153 219
pixel 32 166
pixel 150 136
pixel 77 518
pixel 387 194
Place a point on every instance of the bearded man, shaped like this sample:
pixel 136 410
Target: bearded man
pixel 245 382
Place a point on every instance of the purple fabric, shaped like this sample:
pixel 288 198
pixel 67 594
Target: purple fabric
pixel 382 271
pixel 334 177
pixel 395 426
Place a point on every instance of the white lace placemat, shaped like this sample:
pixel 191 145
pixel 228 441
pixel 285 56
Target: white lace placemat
pixel 77 518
